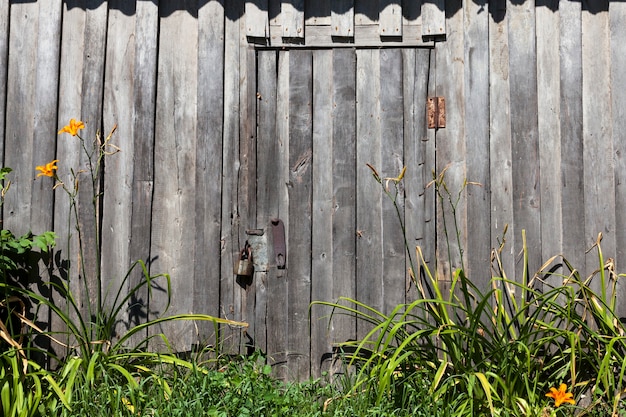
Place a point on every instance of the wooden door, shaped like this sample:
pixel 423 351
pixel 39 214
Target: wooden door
pixel 322 115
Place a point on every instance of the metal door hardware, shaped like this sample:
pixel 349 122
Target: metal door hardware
pixel 436 112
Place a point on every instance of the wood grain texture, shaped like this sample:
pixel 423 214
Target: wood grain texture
pixel 229 295
pixel 477 160
pixel 268 183
pixel 571 126
pixel 618 104
pixel 300 206
pixel 390 18
pixel 524 133
pixel 278 192
pixel 174 214
pixel 500 161
pixel 209 148
pixel 369 271
pixel 324 102
pixel 598 152
pixel 144 98
pixel 419 201
pixel 549 132
pixel 392 163
pixel 118 186
pixel 342 18
pixel 451 149
pixel 257 20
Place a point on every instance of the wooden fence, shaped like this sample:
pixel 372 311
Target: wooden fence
pixel 232 114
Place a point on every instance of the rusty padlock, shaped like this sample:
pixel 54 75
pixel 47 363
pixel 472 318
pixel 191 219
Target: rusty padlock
pixel 243 265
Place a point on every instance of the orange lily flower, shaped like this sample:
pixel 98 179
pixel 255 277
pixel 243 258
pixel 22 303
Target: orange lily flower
pixel 48 170
pixel 561 395
pixel 73 127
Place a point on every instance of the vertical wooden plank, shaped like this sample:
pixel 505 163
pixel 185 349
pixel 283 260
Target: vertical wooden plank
pixel 45 106
pixel 230 173
pixel 344 173
pixel 451 147
pixel 433 18
pixel 524 140
pixel 174 191
pixel 144 109
pixel 476 57
pixel 92 79
pixel 257 20
pixel 317 13
pixel 4 57
pixel 342 18
pixel 277 313
pixel 20 115
pixel 598 155
pixel 549 134
pixel 300 183
pixel 268 182
pixel 392 146
pixel 573 206
pixel 209 146
pixel 369 268
pixel 390 18
pixel 118 190
pixel 323 213
pixel 292 15
pixel 68 151
pixel 418 223
pixel 246 189
pixel 500 137
pixel 617 14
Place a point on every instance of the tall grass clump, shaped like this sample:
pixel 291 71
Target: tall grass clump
pixel 517 348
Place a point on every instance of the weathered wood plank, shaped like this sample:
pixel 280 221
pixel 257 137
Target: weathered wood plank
pixel 598 155
pixel 22 69
pixel 247 177
pixel 94 52
pixel 500 134
pixel 573 206
pixel 416 68
pixel 342 18
pixel 392 144
pixel 209 147
pixel 292 18
pixel 617 16
pixel 369 267
pixel 344 175
pixel 300 195
pixel 45 105
pixel 524 135
pixel 451 149
pixel 230 172
pixel 268 182
pixel 174 222
pixel 434 18
pixel 323 208
pixel 476 91
pixel 364 36
pixel 118 187
pixel 4 57
pixel 278 193
pixel 144 96
pixel 257 20
pixel 68 151
pixel 549 133
pixel 390 18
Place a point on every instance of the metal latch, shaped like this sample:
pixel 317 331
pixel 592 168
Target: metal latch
pixel 436 112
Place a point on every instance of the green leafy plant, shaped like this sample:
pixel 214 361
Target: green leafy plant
pixel 493 351
pixel 95 352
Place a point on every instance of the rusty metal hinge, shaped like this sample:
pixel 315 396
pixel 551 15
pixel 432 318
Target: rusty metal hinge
pixel 436 112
